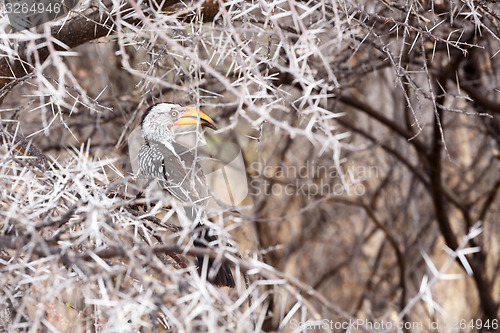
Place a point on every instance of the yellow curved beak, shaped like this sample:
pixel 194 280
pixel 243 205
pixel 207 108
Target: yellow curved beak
pixel 190 117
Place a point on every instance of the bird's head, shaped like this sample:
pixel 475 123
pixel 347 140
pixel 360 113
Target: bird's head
pixel 162 117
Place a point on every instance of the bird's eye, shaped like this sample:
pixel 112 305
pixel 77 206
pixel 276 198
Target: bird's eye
pixel 174 113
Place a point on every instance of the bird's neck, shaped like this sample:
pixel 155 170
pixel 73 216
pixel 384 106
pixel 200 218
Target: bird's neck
pixel 160 134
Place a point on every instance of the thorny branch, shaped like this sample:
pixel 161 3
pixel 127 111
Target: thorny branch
pixel 380 144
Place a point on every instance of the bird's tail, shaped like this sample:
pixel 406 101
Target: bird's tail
pixel 224 277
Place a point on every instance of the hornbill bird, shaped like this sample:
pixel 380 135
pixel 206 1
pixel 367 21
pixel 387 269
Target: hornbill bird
pixel 174 169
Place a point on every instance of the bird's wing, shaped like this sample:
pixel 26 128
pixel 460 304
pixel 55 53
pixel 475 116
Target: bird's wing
pixel 174 171
pixel 197 179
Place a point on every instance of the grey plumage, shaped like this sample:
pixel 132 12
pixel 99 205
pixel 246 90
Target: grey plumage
pixel 172 167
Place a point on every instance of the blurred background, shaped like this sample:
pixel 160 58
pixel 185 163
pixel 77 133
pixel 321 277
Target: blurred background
pixel 370 134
